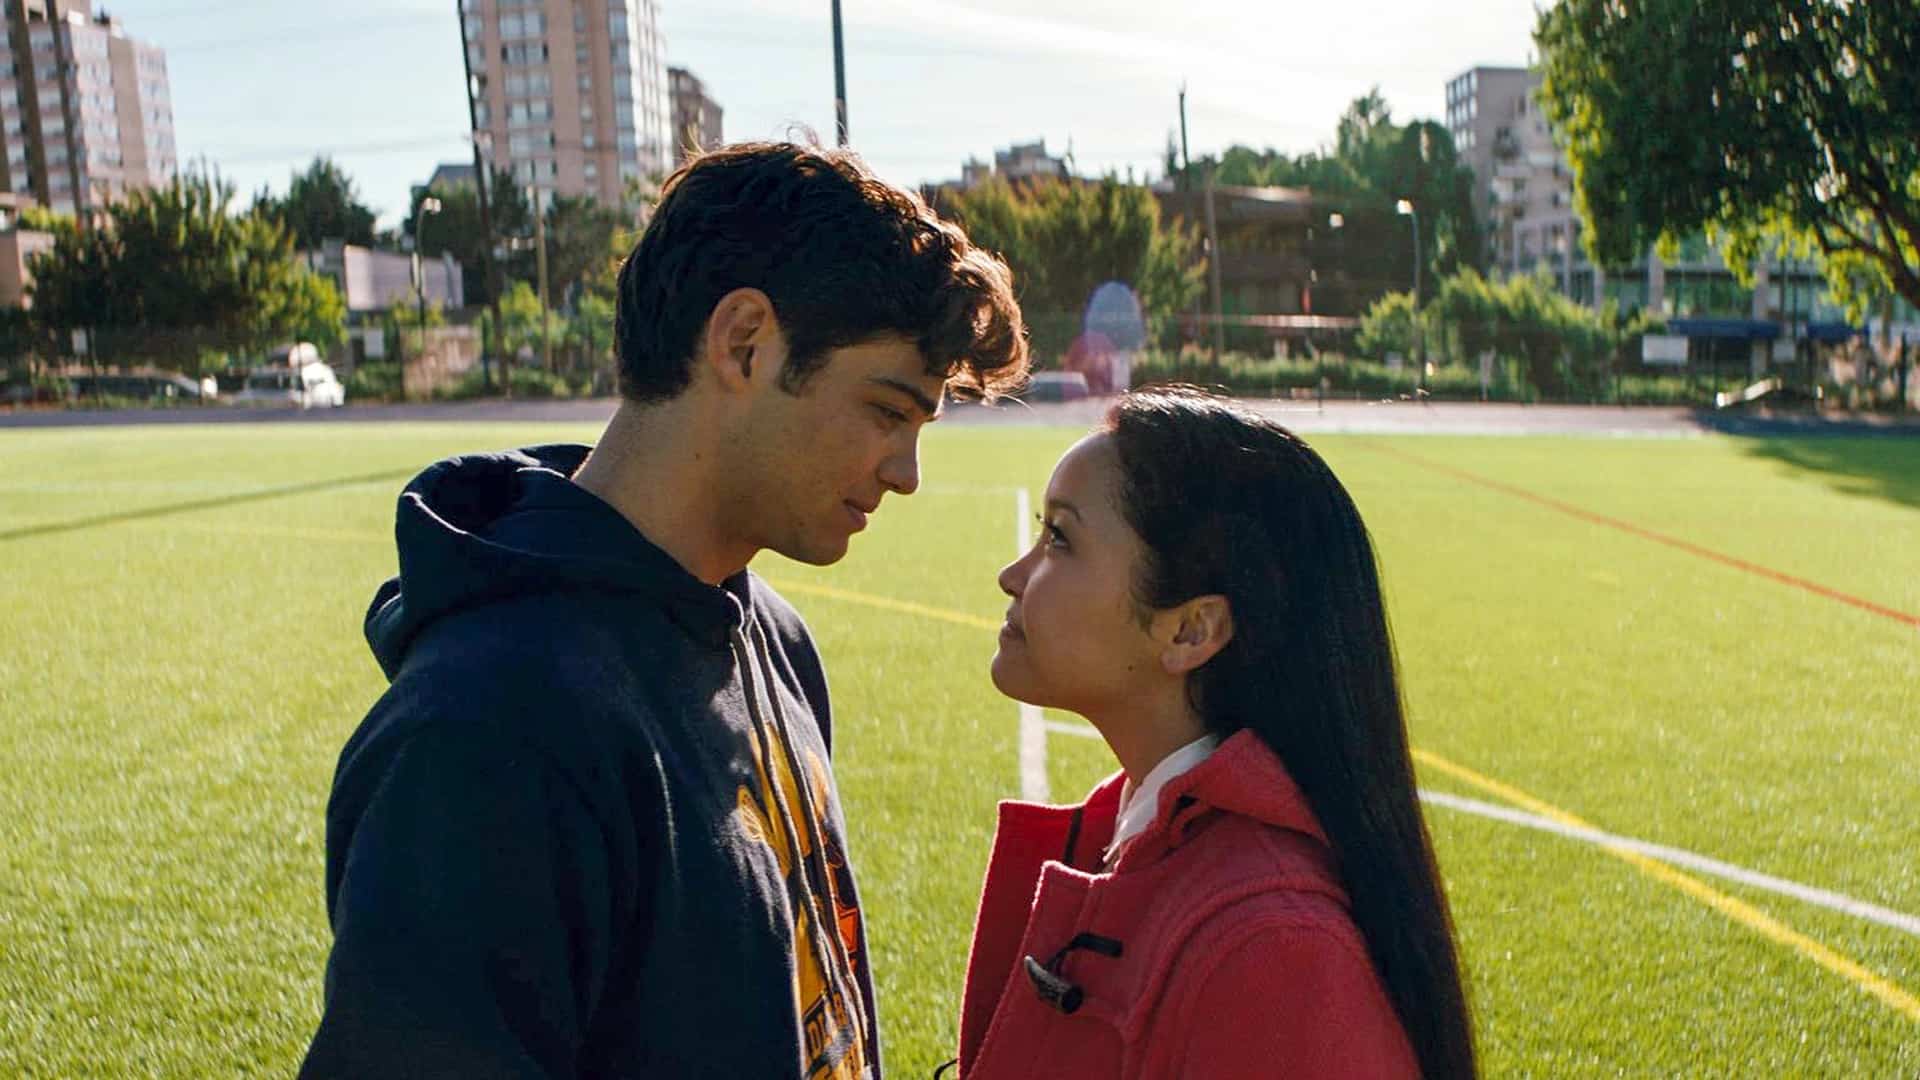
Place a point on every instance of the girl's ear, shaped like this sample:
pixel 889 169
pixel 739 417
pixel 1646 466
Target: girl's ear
pixel 1192 633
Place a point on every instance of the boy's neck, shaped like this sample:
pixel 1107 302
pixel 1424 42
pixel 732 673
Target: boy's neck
pixel 658 465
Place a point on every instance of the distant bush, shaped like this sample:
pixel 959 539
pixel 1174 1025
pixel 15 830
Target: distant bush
pixel 374 382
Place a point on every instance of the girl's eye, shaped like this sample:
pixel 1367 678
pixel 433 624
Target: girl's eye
pixel 1050 533
pixel 891 415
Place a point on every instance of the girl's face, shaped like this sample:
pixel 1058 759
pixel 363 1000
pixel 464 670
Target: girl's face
pixel 1073 637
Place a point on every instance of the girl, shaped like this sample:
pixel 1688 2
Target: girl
pixel 1254 894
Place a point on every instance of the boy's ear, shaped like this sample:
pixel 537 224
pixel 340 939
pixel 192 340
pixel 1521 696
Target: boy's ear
pixel 737 336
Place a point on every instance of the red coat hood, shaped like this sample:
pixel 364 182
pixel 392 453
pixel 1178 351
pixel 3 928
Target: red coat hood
pixel 1233 847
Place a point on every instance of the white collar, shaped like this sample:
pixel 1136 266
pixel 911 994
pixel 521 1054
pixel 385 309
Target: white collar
pixel 1137 809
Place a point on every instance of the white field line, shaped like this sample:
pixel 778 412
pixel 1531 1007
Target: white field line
pixel 1034 729
pixel 1033 723
pixel 1672 856
pixel 1679 857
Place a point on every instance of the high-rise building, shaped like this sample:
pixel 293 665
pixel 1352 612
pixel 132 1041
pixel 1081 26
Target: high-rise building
pixel 1523 189
pixel 1523 195
pixel 696 117
pixel 571 94
pixel 87 115
pixel 1021 161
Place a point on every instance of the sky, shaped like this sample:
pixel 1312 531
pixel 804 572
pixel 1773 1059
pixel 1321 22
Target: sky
pixel 261 86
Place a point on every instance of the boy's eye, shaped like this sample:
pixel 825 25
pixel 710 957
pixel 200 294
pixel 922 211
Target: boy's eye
pixel 892 415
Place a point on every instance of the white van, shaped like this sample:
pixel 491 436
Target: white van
pixel 309 385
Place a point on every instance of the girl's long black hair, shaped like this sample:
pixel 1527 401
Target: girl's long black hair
pixel 1228 502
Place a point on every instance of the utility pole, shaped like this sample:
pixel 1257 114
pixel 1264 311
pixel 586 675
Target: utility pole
pixel 1213 266
pixel 1186 162
pixel 839 78
pixel 540 265
pixel 479 185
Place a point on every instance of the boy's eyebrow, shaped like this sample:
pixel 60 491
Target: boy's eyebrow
pixel 928 407
pixel 1062 504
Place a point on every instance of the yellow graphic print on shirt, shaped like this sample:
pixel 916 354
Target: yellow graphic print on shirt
pixel 819 892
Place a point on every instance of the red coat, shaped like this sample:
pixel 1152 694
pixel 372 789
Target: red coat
pixel 1220 944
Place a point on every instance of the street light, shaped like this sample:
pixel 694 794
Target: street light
pixel 1336 222
pixel 428 205
pixel 1405 209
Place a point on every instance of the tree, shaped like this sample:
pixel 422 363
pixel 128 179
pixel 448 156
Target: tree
pixel 1063 240
pixel 403 325
pixel 523 326
pixel 589 334
pixel 1563 347
pixel 1793 124
pixel 41 219
pixel 307 308
pixel 582 236
pixel 1371 165
pixel 456 229
pixel 172 277
pixel 320 204
pixel 1388 326
pixel 1468 311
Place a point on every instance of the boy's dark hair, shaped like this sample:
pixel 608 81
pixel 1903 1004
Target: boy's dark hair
pixel 842 255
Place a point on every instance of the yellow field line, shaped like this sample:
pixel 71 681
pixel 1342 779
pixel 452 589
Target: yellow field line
pixel 281 532
pixel 1738 910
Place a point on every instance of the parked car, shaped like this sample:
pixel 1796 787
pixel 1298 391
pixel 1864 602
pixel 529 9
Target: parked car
pixel 139 385
pixel 306 386
pixel 20 390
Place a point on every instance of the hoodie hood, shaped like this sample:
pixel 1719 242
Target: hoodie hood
pixel 482 528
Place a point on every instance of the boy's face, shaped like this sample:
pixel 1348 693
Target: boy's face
pixel 813 465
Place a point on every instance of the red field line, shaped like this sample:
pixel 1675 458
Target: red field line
pixel 1658 538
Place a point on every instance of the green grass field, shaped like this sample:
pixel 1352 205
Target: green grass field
pixel 180 662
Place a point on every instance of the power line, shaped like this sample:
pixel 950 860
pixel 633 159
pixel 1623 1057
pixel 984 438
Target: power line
pixel 365 149
pixel 299 37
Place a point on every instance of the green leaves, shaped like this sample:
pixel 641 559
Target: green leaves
pixel 1372 164
pixel 1787 124
pixel 1562 346
pixel 1064 240
pixel 169 276
pixel 321 204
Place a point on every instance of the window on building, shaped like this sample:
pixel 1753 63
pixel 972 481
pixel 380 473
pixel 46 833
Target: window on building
pixel 526 24
pixel 534 83
pixel 531 111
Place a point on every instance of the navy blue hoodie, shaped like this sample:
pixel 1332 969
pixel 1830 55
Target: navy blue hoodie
pixel 590 828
